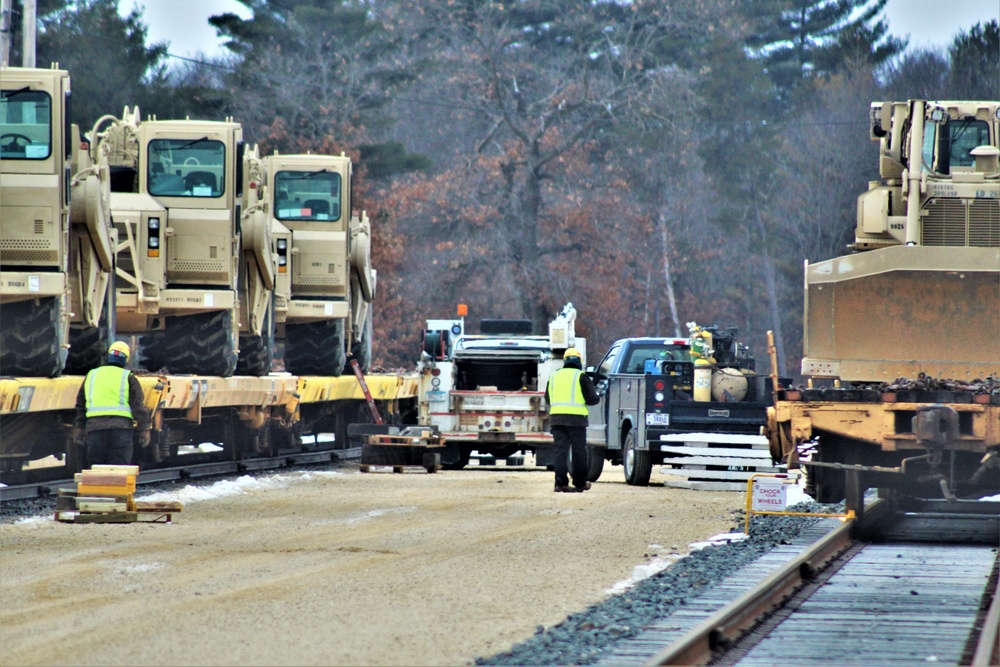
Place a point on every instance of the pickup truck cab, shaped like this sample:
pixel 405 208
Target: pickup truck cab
pixel 646 388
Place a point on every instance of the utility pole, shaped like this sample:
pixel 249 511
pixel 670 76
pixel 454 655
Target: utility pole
pixel 29 26
pixel 5 7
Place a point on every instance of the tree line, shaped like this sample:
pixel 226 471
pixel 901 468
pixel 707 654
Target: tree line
pixel 654 162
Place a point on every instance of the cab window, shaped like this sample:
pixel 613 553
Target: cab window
pixel 638 356
pixel 604 370
pixel 186 167
pixel 25 124
pixel 307 195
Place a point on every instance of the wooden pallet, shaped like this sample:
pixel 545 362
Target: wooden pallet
pixel 73 516
pixel 400 451
pixel 142 512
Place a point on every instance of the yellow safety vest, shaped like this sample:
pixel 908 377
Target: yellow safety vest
pixel 106 391
pixel 565 395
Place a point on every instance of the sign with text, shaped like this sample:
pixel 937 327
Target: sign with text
pixel 769 495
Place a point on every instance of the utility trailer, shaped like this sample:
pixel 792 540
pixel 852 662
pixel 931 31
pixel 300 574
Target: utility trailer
pixel 485 392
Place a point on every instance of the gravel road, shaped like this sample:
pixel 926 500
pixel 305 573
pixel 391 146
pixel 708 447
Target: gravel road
pixel 340 568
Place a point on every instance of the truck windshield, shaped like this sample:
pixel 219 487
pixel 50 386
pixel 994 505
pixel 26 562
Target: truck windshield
pixel 955 140
pixel 307 195
pixel 187 167
pixel 25 124
pixel 638 356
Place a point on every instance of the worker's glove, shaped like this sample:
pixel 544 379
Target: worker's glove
pixel 144 438
pixel 79 437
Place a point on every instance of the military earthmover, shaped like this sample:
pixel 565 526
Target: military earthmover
pixel 325 283
pixel 56 240
pixel 189 263
pixel 926 271
pixel 901 343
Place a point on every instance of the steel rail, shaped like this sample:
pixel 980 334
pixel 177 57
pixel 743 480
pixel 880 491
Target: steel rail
pixel 192 471
pixel 988 647
pixel 726 626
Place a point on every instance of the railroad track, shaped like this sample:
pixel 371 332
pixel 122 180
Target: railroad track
pixel 47 485
pixel 909 583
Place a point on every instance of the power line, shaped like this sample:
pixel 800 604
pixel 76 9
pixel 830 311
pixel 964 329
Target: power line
pixel 201 62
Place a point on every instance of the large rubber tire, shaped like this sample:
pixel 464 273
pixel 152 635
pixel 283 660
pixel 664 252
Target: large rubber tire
pixel 31 340
pixel 202 344
pixel 361 350
pixel 455 460
pixel 637 462
pixel 257 352
pixel 315 348
pixel 595 462
pixel 88 346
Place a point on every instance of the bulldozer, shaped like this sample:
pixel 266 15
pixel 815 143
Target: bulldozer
pixel 195 275
pixel 57 244
pixel 925 266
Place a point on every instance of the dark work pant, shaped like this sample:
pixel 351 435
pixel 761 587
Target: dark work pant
pixel 564 439
pixel 112 446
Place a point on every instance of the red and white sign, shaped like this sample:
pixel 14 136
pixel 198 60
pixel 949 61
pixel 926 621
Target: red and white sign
pixel 769 495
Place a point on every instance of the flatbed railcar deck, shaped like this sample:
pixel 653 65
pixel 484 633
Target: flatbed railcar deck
pixel 237 417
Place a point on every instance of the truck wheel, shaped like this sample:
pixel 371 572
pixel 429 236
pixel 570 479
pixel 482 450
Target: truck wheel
pixel 637 462
pixel 455 459
pixel 315 348
pixel 595 462
pixel 31 339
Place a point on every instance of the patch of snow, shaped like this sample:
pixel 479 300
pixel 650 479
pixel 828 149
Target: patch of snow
pixel 724 538
pixel 234 487
pixel 381 512
pixel 644 571
pixel 141 567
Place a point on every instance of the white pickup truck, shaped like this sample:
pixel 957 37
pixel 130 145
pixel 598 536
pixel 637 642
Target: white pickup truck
pixel 485 392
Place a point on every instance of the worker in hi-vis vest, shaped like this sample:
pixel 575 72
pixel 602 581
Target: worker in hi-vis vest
pixel 110 409
pixel 568 394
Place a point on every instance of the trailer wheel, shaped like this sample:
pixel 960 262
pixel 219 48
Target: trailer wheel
pixel 595 462
pixel 637 462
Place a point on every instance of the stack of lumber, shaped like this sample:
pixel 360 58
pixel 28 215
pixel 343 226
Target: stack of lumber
pixel 714 461
pixel 106 494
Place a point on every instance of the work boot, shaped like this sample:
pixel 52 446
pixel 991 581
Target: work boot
pixel 565 489
pixel 580 489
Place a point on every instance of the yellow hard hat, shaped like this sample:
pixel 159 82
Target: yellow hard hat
pixel 572 352
pixel 119 347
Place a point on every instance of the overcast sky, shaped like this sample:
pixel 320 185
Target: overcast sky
pixel 184 23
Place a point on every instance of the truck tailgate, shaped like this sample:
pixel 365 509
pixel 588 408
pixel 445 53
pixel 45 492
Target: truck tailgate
pixel 717 417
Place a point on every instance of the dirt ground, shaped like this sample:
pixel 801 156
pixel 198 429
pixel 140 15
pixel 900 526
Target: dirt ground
pixel 344 568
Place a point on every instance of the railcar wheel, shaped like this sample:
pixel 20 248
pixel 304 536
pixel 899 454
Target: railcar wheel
pixel 638 464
